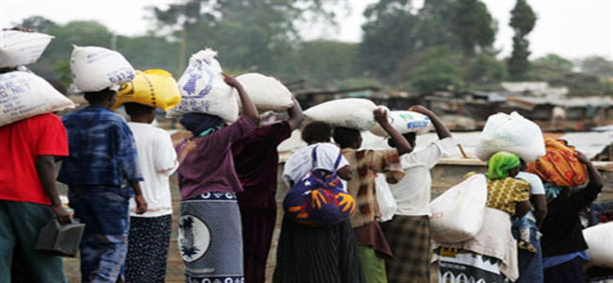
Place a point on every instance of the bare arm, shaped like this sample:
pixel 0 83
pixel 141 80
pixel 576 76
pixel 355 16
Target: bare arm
pixel 141 203
pixel 522 207
pixel 402 145
pixel 249 109
pixel 441 130
pixel 345 173
pixel 295 115
pixel 540 208
pixel 45 167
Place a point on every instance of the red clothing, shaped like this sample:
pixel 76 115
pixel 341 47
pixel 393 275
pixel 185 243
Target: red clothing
pixel 20 144
pixel 256 161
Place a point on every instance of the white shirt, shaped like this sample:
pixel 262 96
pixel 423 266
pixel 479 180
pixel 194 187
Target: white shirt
pixel 300 163
pixel 412 193
pixel 536 188
pixel 158 160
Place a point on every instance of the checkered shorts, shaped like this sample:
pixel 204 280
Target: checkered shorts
pixel 409 240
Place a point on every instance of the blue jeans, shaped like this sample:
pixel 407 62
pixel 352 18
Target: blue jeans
pixel 104 246
pixel 530 264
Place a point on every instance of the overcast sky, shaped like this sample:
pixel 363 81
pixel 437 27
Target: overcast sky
pixel 571 28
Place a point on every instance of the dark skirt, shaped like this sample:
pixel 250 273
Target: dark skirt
pixel 409 240
pixel 148 249
pixel 317 254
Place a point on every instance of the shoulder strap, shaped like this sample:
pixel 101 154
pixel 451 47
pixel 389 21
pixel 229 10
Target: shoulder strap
pixel 338 160
pixel 314 157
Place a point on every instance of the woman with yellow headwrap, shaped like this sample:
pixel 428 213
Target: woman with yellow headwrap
pixel 492 255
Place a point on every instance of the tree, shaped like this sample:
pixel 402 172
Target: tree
pixel 38 23
pixel 396 29
pixel 550 68
pixel 597 66
pixel 248 34
pixel 437 69
pixel 485 71
pixel 523 20
pixel 474 26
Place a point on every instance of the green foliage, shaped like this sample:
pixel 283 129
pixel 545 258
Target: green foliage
pixel 523 20
pixel 473 25
pixel 551 68
pixel 485 70
pixel 395 30
pixel 437 69
pixel 597 66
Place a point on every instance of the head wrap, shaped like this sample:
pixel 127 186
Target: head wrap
pixel 500 164
pixel 201 124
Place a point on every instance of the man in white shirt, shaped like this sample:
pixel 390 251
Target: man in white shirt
pixel 408 233
pixel 150 232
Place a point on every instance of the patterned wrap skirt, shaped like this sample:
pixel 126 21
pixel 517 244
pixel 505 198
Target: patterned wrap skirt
pixel 148 249
pixel 409 240
pixel 458 265
pixel 210 238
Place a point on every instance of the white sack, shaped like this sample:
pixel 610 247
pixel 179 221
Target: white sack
pixel 512 133
pixel 457 214
pixel 355 113
pixel 96 68
pixel 385 198
pixel 404 122
pixel 21 48
pixel 600 246
pixel 203 89
pixel 267 93
pixel 24 95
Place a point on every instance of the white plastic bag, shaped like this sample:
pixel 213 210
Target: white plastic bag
pixel 355 113
pixel 21 48
pixel 387 203
pixel 267 93
pixel 457 214
pixel 24 95
pixel 600 247
pixel 512 133
pixel 96 68
pixel 404 122
pixel 203 89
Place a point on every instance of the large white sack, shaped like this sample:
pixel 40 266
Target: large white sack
pixel 457 214
pixel 21 48
pixel 385 198
pixel 24 95
pixel 600 247
pixel 404 122
pixel 96 68
pixel 203 89
pixel 511 133
pixel 355 113
pixel 267 93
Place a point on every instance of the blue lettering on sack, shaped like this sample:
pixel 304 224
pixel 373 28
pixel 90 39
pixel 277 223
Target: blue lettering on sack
pixel 196 72
pixel 417 124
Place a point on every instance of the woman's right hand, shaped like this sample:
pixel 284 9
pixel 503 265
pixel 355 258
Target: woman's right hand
pixel 231 81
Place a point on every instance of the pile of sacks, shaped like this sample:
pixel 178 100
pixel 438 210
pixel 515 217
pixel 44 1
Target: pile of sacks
pixel 22 93
pixel 203 90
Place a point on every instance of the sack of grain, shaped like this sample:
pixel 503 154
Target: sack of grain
pixel 156 88
pixel 598 240
pixel 511 133
pixel 24 95
pixel 21 48
pixel 404 122
pixel 203 89
pixel 267 93
pixel 97 68
pixel 355 113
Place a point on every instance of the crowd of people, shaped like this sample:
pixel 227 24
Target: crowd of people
pixel 117 175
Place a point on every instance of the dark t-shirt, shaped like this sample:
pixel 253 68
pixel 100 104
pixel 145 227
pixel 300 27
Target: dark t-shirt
pixel 256 161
